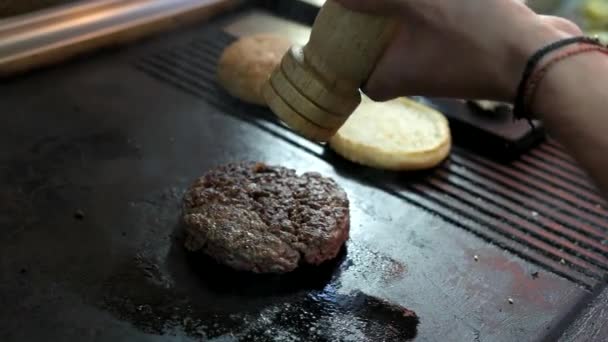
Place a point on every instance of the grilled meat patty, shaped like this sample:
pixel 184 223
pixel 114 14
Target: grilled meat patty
pixel 265 219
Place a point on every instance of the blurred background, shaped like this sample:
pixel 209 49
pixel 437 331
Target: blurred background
pixel 592 15
pixel 9 8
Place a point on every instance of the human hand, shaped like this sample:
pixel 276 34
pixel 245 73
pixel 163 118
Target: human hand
pixel 458 48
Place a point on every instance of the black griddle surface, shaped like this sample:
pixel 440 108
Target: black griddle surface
pixel 95 157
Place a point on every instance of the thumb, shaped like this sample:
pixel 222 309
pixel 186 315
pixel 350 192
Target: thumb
pixel 562 24
pixel 382 7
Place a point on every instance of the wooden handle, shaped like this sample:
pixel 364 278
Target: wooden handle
pixel 316 87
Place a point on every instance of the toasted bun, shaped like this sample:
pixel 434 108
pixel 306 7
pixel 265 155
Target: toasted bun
pixel 400 134
pixel 247 63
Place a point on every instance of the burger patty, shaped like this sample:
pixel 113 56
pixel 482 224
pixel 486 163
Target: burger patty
pixel 265 219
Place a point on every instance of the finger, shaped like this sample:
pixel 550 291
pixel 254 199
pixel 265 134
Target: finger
pixel 562 24
pixel 379 87
pixel 383 84
pixel 383 7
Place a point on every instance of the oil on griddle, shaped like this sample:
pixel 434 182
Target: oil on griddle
pixel 189 294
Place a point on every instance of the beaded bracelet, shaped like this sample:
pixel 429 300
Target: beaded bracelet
pixel 540 74
pixel 519 108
